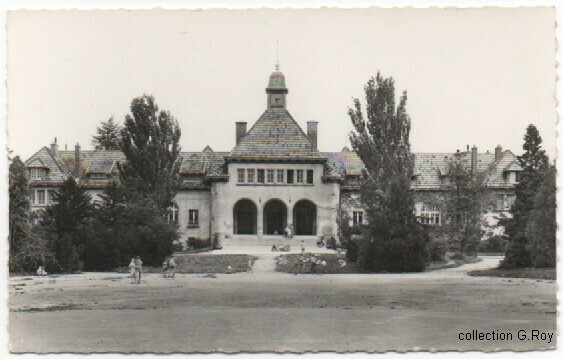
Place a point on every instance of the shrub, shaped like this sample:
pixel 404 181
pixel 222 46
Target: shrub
pixel 494 244
pixel 437 250
pixel 353 248
pixel 198 242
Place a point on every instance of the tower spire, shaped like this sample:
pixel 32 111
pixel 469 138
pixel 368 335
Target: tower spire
pixel 277 55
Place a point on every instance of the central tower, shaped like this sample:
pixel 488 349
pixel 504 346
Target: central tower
pixel 276 89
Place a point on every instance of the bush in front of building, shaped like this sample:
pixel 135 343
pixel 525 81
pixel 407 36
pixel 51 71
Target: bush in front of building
pixel 494 244
pixel 198 243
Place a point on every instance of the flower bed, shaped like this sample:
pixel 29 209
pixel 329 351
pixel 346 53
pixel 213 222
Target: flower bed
pixel 193 263
pixel 326 263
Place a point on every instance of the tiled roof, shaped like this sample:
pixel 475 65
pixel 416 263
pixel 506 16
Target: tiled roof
pixel 56 170
pixel 275 135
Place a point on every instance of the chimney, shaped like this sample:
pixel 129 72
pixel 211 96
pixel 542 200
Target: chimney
pixel 498 153
pixel 55 148
pixel 312 132
pixel 77 164
pixel 474 160
pixel 241 131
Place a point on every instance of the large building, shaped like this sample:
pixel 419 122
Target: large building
pixel 274 177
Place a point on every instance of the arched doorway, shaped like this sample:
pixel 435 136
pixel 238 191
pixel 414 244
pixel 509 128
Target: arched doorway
pixel 275 217
pixel 244 217
pixel 305 218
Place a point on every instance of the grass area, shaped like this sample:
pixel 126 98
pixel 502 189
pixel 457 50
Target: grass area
pixel 532 273
pixel 213 263
pixel 292 263
pixel 193 263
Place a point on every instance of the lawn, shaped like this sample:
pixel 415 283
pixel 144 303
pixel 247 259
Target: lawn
pixel 292 263
pixel 197 263
pixel 532 273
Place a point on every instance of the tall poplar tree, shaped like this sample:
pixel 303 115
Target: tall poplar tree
pixel 393 239
pixel 150 141
pixel 534 163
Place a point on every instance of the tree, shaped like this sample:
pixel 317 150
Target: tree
pixel 534 162
pixel 542 224
pixel 26 251
pixel 108 136
pixel 393 239
pixel 64 221
pixel 150 142
pixel 463 207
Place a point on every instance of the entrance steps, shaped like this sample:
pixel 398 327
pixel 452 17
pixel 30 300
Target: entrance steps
pixel 249 240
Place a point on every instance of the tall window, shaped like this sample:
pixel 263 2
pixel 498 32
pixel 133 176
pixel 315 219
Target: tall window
pixel 193 217
pixel 32 196
pixel 289 176
pixel 250 176
pixel 299 176
pixel 270 176
pixel 310 176
pixel 41 197
pixel 37 173
pixel 280 176
pixel 240 175
pixel 172 215
pixel 260 176
pixel 357 217
pixel 430 214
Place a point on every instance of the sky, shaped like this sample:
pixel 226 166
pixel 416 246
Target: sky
pixel 473 76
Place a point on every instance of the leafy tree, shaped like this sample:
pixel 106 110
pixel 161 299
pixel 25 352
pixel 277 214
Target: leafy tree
pixel 26 251
pixel 463 207
pixel 108 136
pixel 542 224
pixel 150 142
pixel 65 221
pixel 393 239
pixel 534 162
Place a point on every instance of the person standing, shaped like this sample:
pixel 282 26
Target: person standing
pixel 132 271
pixel 138 269
pixel 171 268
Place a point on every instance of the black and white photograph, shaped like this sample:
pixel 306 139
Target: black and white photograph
pixel 361 180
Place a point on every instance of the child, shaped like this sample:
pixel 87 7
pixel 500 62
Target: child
pixel 249 268
pixel 132 270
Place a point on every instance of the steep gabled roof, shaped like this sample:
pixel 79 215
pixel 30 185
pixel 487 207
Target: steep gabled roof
pixel 56 170
pixel 275 135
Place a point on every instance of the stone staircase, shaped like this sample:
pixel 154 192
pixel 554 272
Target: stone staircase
pixel 264 264
pixel 249 240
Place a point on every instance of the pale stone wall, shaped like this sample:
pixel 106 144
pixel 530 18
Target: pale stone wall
pixel 226 194
pixel 189 200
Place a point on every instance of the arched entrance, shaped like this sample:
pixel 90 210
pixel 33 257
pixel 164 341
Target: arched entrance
pixel 244 217
pixel 305 218
pixel 275 217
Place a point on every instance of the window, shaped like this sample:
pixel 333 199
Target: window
pixel 99 175
pixel 357 217
pixel 193 217
pixel 240 175
pixel 299 178
pixel 280 176
pixel 37 173
pixel 289 176
pixel 270 176
pixel 40 197
pixel 310 176
pixel 250 176
pixel 510 198
pixel 172 215
pixel 32 196
pixel 430 214
pixel 260 176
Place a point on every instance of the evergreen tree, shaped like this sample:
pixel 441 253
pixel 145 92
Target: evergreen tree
pixel 150 142
pixel 534 162
pixel 65 221
pixel 26 251
pixel 463 207
pixel 542 224
pixel 108 136
pixel 393 239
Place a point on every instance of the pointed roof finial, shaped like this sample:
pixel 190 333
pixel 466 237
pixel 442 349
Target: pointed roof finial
pixel 277 55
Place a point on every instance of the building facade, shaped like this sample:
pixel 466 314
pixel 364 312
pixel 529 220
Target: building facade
pixel 273 178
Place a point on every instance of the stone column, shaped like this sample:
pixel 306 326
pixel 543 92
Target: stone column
pixel 260 221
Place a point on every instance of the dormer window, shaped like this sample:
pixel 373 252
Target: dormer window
pixel 99 175
pixel 37 173
pixel 511 176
